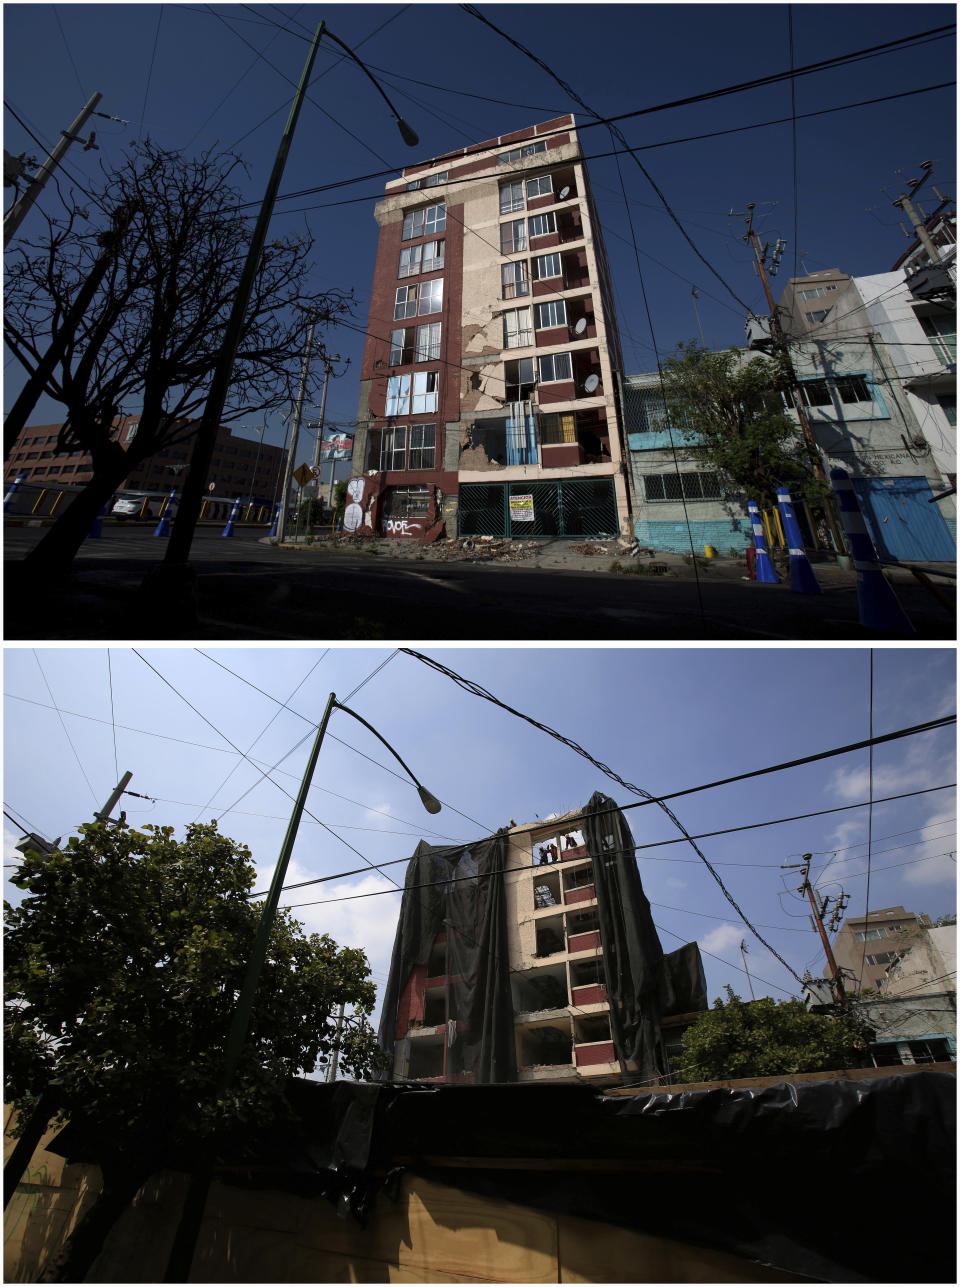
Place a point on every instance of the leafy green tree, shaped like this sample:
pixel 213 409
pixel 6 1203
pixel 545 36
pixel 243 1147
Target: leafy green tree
pixel 339 500
pixel 123 964
pixel 766 1038
pixel 734 406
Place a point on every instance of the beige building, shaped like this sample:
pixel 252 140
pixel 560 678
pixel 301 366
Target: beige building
pixel 546 978
pixel 488 382
pixel 867 945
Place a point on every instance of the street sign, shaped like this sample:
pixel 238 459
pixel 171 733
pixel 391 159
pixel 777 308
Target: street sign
pixel 211 487
pixel 315 471
pixel 303 475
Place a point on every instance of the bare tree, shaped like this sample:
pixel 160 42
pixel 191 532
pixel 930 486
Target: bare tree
pixel 122 305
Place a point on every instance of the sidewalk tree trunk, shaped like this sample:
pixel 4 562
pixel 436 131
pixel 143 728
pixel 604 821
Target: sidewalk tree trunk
pixel 154 261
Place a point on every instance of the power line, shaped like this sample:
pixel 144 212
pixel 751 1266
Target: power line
pixel 63 726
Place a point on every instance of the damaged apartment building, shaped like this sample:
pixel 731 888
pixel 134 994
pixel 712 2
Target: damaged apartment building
pixel 531 955
pixel 487 400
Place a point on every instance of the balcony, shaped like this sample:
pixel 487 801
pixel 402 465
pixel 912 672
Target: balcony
pixel 582 895
pixel 585 942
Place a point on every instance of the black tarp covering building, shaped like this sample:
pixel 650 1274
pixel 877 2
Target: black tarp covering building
pixel 453 924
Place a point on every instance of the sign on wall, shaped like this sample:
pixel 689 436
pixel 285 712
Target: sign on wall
pixel 521 509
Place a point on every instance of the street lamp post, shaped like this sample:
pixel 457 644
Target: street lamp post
pixel 185 1237
pixel 172 577
pixel 244 1007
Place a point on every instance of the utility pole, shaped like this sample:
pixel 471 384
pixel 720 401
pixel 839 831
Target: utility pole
pixel 292 454
pixel 104 813
pixel 781 341
pixel 335 1055
pixel 318 445
pixel 14 216
pixel 905 204
pixel 743 954
pixel 818 910
pixel 111 243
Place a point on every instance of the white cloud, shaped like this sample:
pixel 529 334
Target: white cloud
pixel 721 939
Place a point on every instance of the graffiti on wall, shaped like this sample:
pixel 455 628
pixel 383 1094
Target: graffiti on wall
pixel 401 527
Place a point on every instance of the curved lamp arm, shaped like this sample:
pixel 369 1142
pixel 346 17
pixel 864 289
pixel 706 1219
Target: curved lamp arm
pixel 408 135
pixel 430 801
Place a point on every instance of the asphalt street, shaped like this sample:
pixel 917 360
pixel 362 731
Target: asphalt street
pixel 246 589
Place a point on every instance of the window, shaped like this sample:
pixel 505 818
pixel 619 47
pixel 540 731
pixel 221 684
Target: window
pixel 421 223
pixel 520 379
pixel 942 334
pixel 398 395
pixel 558 427
pixel 864 935
pixel 408 502
pixel 516 329
pixel 410 261
pixel 439 177
pixel 425 387
pixel 816 393
pixel 404 447
pixel 542 186
pixel 555 366
pixel 428 343
pixel 818 315
pixel 511 197
pixel 406 303
pixel 674 487
pixel 880 958
pixel 814 292
pixel 513 237
pixel 529 149
pixel 543 224
pixel 433 256
pixel 853 388
pixel 415 185
pixel 421 446
pixel 547 266
pixel 431 296
pixel 554 314
pixel 514 279
pixel 401 346
pixel 948 405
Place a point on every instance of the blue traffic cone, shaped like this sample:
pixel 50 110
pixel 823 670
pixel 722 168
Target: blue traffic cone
pixel 13 490
pixel 97 529
pixel 276 520
pixel 163 527
pixel 228 530
pixel 765 569
pixel 802 580
pixel 879 607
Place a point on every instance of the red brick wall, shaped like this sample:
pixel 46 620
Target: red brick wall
pixel 601 1053
pixel 589 994
pixel 583 942
pixel 581 895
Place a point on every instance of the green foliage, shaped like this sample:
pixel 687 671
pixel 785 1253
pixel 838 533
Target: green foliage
pixel 311 512
pixel 736 408
pixel 123 963
pixel 766 1038
pixel 339 499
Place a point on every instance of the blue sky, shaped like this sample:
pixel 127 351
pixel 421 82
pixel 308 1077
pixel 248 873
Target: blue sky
pixel 193 77
pixel 663 719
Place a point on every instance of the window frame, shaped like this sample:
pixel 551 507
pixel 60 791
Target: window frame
pixel 512 267
pixel 422 447
pixel 405 347
pixel 553 359
pixel 412 255
pixel 514 187
pixel 516 247
pixel 398 394
pixel 549 216
pixel 536 262
pixel 435 262
pixel 536 182
pixel 552 304
pixel 428 345
pixel 426 389
pixel 405 303
pixel 651 481
pixel 430 223
pixel 431 292
pixel 524 332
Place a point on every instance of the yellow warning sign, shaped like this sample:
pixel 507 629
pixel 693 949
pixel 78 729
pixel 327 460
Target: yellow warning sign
pixel 303 475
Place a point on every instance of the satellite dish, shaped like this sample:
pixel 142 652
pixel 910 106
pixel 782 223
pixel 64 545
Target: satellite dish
pixel 580 327
pixel 563 194
pixel 591 383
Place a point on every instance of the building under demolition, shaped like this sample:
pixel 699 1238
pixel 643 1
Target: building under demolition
pixel 532 955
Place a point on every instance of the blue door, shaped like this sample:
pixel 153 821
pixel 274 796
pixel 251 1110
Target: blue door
pixel 901 520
